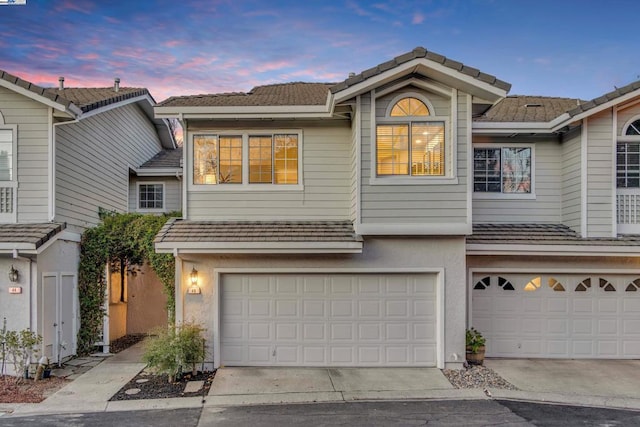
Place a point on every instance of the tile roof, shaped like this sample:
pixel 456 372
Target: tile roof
pixel 91 98
pixel 618 92
pixel 165 159
pixel 295 93
pixel 541 234
pixel 176 230
pixel 36 234
pixel 38 90
pixel 421 52
pixel 521 108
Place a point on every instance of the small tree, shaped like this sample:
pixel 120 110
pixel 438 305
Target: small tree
pixel 20 347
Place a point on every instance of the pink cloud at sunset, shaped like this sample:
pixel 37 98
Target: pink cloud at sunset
pixel 194 46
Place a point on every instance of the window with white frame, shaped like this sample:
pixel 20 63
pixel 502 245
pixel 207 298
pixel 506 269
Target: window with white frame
pixel 271 158
pixel 150 196
pixel 409 141
pixel 504 170
pixel 6 155
pixel 628 157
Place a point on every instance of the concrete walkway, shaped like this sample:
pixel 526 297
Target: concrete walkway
pixel 602 383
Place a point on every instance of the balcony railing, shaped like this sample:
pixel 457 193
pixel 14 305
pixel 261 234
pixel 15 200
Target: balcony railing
pixel 628 210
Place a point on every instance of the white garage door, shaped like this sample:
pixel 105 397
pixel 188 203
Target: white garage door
pixel 558 315
pixel 328 320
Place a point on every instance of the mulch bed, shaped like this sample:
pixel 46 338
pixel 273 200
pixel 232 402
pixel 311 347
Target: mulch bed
pixel 125 342
pixel 158 386
pixel 28 391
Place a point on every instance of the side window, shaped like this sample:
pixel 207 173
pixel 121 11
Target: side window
pixel 412 143
pixel 504 170
pixel 150 196
pixel 6 155
pixel 628 157
pixel 217 159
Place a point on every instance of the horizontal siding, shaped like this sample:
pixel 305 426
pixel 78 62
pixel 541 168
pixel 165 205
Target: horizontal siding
pixel 414 204
pixel 600 163
pixel 572 182
pixel 92 163
pixel 172 192
pixel 327 177
pixel 626 115
pixel 546 207
pixel 32 120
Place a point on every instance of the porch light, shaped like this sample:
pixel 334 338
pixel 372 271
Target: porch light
pixel 193 276
pixel 13 275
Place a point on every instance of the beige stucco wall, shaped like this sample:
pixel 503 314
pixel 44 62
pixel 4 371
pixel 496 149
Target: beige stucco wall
pixel 147 303
pixel 392 254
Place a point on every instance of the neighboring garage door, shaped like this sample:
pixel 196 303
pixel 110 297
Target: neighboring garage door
pixel 328 320
pixel 558 315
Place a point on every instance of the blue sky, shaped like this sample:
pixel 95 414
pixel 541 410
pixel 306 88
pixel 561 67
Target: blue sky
pixel 571 48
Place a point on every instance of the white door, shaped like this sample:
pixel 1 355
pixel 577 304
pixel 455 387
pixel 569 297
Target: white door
pixel 328 320
pixel 59 315
pixel 558 315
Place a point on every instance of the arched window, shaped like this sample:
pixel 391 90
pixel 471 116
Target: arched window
pixel 628 156
pixel 410 144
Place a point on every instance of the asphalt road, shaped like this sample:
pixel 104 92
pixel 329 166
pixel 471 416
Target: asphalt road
pixel 403 413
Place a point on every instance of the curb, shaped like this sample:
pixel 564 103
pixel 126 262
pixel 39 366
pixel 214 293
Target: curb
pixel 609 402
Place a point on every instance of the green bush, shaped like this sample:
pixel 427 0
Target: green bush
pixel 475 340
pixel 18 347
pixel 175 349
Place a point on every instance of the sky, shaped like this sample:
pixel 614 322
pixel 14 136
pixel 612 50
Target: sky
pixel 567 48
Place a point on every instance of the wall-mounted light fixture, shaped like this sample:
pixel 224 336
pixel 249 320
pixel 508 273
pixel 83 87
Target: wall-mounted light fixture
pixel 13 275
pixel 193 276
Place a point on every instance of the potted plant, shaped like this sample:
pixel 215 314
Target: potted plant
pixel 475 347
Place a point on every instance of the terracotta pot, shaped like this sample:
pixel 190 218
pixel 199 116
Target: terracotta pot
pixel 475 358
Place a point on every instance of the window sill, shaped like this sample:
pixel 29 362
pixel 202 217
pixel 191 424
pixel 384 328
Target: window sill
pixel 415 180
pixel 504 196
pixel 258 188
pixel 158 211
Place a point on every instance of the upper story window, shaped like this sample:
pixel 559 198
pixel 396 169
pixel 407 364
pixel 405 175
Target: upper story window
pixel 411 143
pixel 502 170
pixel 246 159
pixel 628 157
pixel 150 196
pixel 6 155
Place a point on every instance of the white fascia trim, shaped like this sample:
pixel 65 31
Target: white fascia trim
pixel 551 250
pixel 158 172
pixel 117 105
pixel 72 110
pixel 260 247
pixel 597 109
pixel 435 229
pixel 510 127
pixel 375 81
pixel 286 111
pixel 9 246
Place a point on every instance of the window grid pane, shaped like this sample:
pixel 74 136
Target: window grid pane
pixel 205 159
pixel 260 160
pixel 486 170
pixel 230 160
pixel 150 196
pixel 634 128
pixel 285 155
pixel 427 149
pixel 393 149
pixel 628 165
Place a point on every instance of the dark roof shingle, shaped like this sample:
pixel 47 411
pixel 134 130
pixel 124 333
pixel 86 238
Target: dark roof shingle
pixel 91 98
pixel 257 231
pixel 618 92
pixel 36 234
pixel 296 93
pixel 521 108
pixel 171 159
pixel 541 234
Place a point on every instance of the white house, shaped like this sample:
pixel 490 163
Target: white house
pixel 64 154
pixel 370 222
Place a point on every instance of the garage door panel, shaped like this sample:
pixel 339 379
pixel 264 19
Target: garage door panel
pixel 561 315
pixel 328 320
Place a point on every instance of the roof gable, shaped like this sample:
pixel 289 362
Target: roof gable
pixel 429 64
pixel 93 98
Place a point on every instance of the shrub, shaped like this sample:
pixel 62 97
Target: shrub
pixel 19 347
pixel 175 349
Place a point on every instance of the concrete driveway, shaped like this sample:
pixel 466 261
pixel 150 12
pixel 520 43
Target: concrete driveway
pixel 604 378
pixel 274 385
